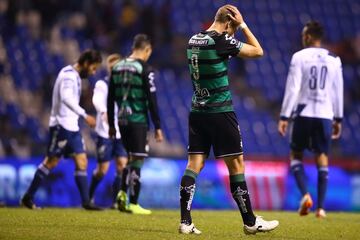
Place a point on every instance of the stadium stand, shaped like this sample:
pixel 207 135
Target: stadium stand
pixel 34 45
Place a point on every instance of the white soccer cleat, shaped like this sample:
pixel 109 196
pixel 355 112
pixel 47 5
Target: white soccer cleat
pixel 261 226
pixel 320 213
pixel 188 229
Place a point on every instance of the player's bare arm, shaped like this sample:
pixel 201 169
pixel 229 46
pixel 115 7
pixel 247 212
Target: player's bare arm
pixel 252 47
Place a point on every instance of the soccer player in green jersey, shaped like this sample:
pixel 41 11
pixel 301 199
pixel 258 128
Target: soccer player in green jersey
pixel 212 120
pixel 133 89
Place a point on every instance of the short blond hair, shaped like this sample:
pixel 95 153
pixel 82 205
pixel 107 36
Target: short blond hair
pixel 222 14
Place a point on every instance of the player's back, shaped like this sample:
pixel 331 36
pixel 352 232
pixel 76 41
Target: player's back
pixel 131 97
pixel 208 53
pixel 67 85
pixel 320 73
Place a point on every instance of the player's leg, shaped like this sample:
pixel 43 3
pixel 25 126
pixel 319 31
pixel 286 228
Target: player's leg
pixel 40 175
pixel 120 155
pixel 77 150
pixel 321 146
pixel 297 169
pixel 240 193
pixel 103 154
pixel 239 188
pixel 122 198
pixel 120 166
pixel 81 180
pixel 300 140
pixel 199 148
pixel 135 141
pixel 187 191
pixel 135 164
pixel 98 175
pixel 227 144
pixel 56 146
pixel 323 171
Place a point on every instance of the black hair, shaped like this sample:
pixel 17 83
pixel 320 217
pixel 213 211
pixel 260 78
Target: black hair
pixel 141 41
pixel 314 29
pixel 90 56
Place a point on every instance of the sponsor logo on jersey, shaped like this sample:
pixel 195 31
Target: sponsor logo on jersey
pixel 198 41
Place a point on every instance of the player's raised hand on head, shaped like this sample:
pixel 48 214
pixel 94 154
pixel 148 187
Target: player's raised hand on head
pixel 282 127
pixel 159 135
pixel 112 132
pixel 336 130
pixel 235 15
pixel 90 121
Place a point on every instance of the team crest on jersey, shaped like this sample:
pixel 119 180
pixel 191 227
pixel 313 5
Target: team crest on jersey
pixel 102 149
pixel 62 143
pixel 202 93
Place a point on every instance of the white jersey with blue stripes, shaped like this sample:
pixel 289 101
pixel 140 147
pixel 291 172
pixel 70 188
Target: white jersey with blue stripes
pixel 65 109
pixel 100 103
pixel 314 86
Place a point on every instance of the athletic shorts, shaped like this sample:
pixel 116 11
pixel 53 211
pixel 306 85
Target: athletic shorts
pixel 64 143
pixel 134 137
pixel 313 134
pixel 218 130
pixel 107 149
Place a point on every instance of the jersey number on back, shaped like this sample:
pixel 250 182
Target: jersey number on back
pixel 315 76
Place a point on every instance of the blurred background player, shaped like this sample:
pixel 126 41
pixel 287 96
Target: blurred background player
pixel 133 89
pixel 106 148
pixel 65 137
pixel 212 120
pixel 314 94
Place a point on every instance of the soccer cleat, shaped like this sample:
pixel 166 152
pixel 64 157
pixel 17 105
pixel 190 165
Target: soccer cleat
pixel 137 209
pixel 114 206
pixel 188 229
pixel 320 213
pixel 26 201
pixel 122 201
pixel 261 226
pixel 305 204
pixel 91 207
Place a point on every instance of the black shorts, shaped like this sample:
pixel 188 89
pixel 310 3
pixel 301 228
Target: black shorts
pixel 313 134
pixel 134 137
pixel 219 130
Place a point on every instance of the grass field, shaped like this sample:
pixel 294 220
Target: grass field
pixel 54 223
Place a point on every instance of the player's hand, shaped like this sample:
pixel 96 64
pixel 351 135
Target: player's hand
pixel 336 130
pixel 112 132
pixel 282 127
pixel 159 135
pixel 90 121
pixel 236 16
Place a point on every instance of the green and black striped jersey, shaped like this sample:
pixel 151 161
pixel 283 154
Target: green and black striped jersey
pixel 132 88
pixel 208 53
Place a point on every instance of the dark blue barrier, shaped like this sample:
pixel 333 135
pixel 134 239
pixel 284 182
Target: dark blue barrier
pixel 270 185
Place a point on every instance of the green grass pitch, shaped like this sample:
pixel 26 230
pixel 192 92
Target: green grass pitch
pixel 55 223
